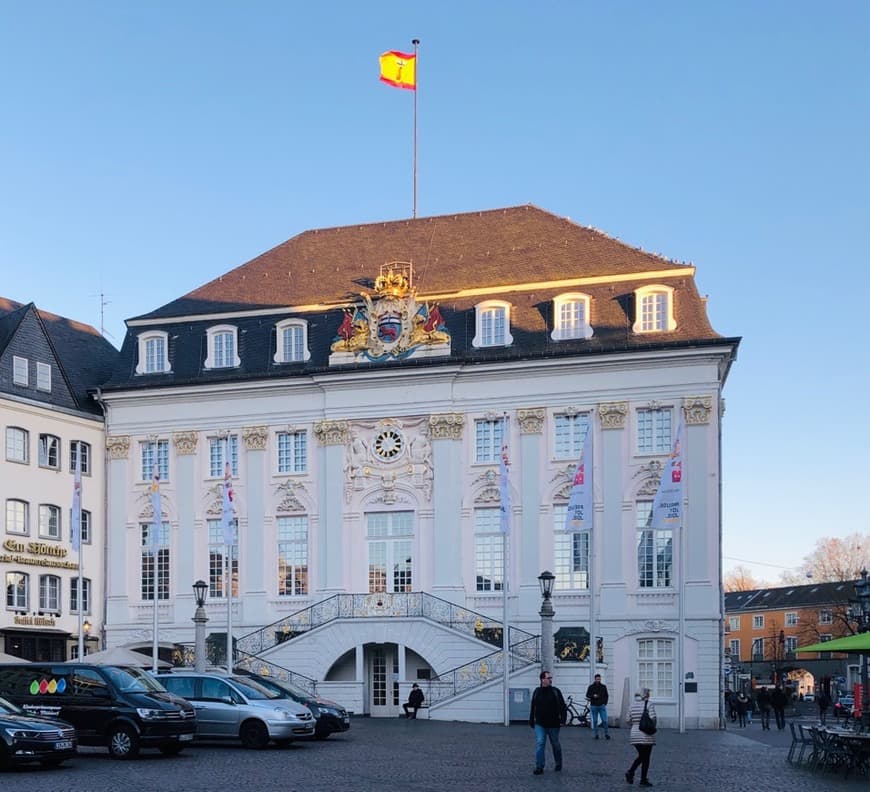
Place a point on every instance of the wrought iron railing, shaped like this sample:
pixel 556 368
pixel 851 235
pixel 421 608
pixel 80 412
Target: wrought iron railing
pixel 259 667
pixel 359 606
pixel 484 669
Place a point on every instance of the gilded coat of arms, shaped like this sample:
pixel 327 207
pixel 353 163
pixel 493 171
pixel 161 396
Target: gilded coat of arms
pixel 391 324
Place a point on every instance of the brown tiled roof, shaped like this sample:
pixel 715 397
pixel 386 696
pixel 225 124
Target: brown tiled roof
pixel 522 255
pixel 522 244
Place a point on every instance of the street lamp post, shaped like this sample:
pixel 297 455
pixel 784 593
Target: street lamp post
pixel 546 579
pixel 861 614
pixel 86 633
pixel 199 619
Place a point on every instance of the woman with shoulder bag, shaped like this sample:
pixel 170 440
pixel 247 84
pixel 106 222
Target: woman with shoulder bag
pixel 642 713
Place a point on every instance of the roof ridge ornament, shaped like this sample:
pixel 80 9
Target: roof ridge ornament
pixel 396 279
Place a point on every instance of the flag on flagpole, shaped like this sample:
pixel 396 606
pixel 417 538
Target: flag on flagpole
pixel 75 534
pixel 155 507
pixel 579 515
pixel 667 508
pixel 503 482
pixel 399 69
pixel 227 513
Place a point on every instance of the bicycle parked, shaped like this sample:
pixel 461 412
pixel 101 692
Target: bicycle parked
pixel 575 716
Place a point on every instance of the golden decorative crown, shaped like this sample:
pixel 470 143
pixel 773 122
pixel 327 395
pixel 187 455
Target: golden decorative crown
pixel 395 280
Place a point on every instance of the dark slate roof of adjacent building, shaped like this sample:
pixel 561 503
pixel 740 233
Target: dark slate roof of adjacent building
pixel 807 596
pixel 76 351
pixel 520 254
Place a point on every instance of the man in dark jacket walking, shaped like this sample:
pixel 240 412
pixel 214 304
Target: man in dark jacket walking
pixel 778 700
pixel 762 699
pixel 596 695
pixel 547 714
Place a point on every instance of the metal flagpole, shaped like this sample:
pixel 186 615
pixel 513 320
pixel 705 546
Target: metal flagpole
pixel 505 545
pixel 681 536
pixel 77 517
pixel 416 43
pixel 228 535
pixel 155 552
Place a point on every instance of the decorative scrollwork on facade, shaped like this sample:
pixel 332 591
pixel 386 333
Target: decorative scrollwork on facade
pixel 531 420
pixel 289 502
pixel 447 426
pixel 652 473
pixel 255 437
pixel 185 443
pixel 488 495
pixel 698 409
pixel 613 414
pixel 392 452
pixel 118 446
pixel 649 626
pixel 331 432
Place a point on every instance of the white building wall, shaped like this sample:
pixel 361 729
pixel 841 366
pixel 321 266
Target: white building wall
pixel 37 485
pixel 442 491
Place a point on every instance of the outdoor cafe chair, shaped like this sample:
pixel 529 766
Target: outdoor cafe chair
pixel 799 744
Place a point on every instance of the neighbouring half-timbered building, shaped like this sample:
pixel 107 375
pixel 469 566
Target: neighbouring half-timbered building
pixel 359 381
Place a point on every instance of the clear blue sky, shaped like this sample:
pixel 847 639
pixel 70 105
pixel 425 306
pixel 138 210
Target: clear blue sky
pixel 146 148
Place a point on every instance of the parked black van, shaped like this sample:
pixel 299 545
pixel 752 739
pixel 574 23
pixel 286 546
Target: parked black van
pixel 121 707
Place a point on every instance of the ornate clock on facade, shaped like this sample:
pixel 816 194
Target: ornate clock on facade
pixel 388 444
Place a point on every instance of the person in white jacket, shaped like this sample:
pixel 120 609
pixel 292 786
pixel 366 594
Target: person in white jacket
pixel 643 743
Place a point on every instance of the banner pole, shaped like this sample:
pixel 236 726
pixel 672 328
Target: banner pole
pixel 416 43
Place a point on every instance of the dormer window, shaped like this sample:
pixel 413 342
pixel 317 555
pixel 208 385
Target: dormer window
pixel 153 353
pixel 492 324
pixel 222 347
pixel 19 371
pixel 43 377
pixel 292 342
pixel 571 317
pixel 655 310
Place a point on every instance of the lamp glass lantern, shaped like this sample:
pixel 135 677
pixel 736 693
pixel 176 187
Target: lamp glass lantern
pixel 546 579
pixel 200 588
pixel 86 628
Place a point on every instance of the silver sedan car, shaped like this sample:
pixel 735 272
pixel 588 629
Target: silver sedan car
pixel 230 707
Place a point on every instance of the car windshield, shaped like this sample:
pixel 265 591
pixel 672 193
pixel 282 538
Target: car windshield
pixel 253 689
pixel 129 678
pixel 9 708
pixel 283 687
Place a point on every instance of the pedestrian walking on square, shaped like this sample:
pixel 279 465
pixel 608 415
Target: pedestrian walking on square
pixel 823 700
pixel 642 741
pixel 762 699
pixel 778 700
pixel 742 702
pixel 596 695
pixel 546 715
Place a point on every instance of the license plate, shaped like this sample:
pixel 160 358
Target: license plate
pixel 346 720
pixel 63 745
pixel 185 737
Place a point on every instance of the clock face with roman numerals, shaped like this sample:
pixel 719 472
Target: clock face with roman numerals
pixel 389 444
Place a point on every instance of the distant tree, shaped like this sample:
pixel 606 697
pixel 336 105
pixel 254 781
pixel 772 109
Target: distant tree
pixel 741 579
pixel 834 560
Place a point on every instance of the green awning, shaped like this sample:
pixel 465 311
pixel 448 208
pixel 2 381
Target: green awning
pixel 851 643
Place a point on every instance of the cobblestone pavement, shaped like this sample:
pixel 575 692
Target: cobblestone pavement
pixel 430 756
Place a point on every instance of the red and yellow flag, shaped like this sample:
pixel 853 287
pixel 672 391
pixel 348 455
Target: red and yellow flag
pixel 399 69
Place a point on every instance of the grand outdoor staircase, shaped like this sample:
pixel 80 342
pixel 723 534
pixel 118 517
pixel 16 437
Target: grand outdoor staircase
pixel 523 647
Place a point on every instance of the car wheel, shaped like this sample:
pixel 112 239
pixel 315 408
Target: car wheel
pixel 123 743
pixel 5 761
pixel 171 748
pixel 254 734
